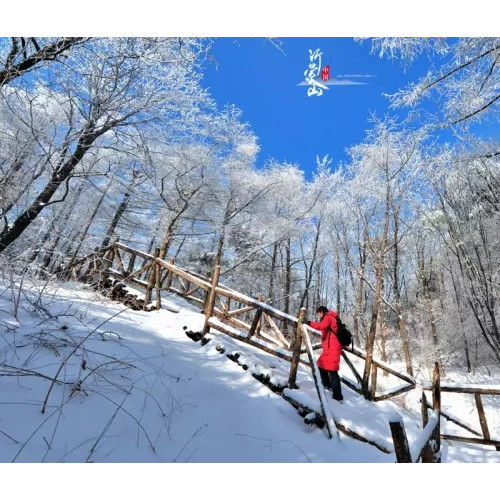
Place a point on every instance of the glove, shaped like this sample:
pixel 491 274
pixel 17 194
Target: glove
pixel 305 321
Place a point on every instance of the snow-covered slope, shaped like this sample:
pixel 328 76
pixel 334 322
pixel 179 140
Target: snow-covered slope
pixel 132 387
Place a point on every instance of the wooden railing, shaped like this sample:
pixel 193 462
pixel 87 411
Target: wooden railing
pixel 249 320
pixel 225 309
pixel 252 321
pixel 478 391
pixel 427 445
pixel 407 385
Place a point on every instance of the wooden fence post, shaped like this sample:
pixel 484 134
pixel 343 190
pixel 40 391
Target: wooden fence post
pixel 428 452
pixel 482 418
pixel 260 298
pixel 158 271
pixel 209 309
pixel 400 440
pixel 425 415
pixel 295 346
pixel 151 280
pixel 255 323
pixel 207 294
pixel 436 403
pixel 323 399
pixel 170 276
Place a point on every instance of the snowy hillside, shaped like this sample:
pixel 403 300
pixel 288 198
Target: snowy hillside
pixel 133 387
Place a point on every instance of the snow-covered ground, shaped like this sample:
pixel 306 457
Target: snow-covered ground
pixel 132 387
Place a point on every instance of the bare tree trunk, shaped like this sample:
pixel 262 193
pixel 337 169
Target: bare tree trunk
pixel 152 242
pixel 220 248
pixel 359 298
pixel 379 275
pixel 381 334
pixel 220 245
pixel 318 287
pixel 400 324
pixel 27 184
pixel 384 331
pixel 460 315
pixel 288 276
pixel 273 271
pixel 167 241
pixel 309 272
pixel 295 346
pixel 288 282
pixel 64 215
pixel 337 269
pixel 60 175
pixel 87 227
pixel 425 281
pixel 175 218
pixel 119 211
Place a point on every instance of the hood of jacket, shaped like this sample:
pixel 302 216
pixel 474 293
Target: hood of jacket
pixel 333 314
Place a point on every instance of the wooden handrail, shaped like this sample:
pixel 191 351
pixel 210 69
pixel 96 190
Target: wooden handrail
pixel 325 407
pixel 465 388
pixel 249 303
pixel 264 313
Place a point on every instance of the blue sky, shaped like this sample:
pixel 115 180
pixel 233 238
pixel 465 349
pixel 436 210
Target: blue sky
pixel 262 81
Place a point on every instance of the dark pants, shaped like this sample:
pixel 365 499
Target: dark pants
pixel 331 380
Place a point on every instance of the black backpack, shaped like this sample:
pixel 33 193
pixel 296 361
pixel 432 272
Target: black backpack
pixel 343 334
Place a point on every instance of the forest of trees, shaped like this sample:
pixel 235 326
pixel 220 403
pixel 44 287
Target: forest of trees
pixel 116 137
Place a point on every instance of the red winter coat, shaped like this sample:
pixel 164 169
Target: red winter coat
pixel 330 357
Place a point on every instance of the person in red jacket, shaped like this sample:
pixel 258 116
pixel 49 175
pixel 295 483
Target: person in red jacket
pixel 329 361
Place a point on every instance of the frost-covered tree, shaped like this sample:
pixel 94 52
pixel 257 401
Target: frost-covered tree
pixel 465 78
pixel 109 91
pixel 380 183
pixel 468 204
pixel 21 55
